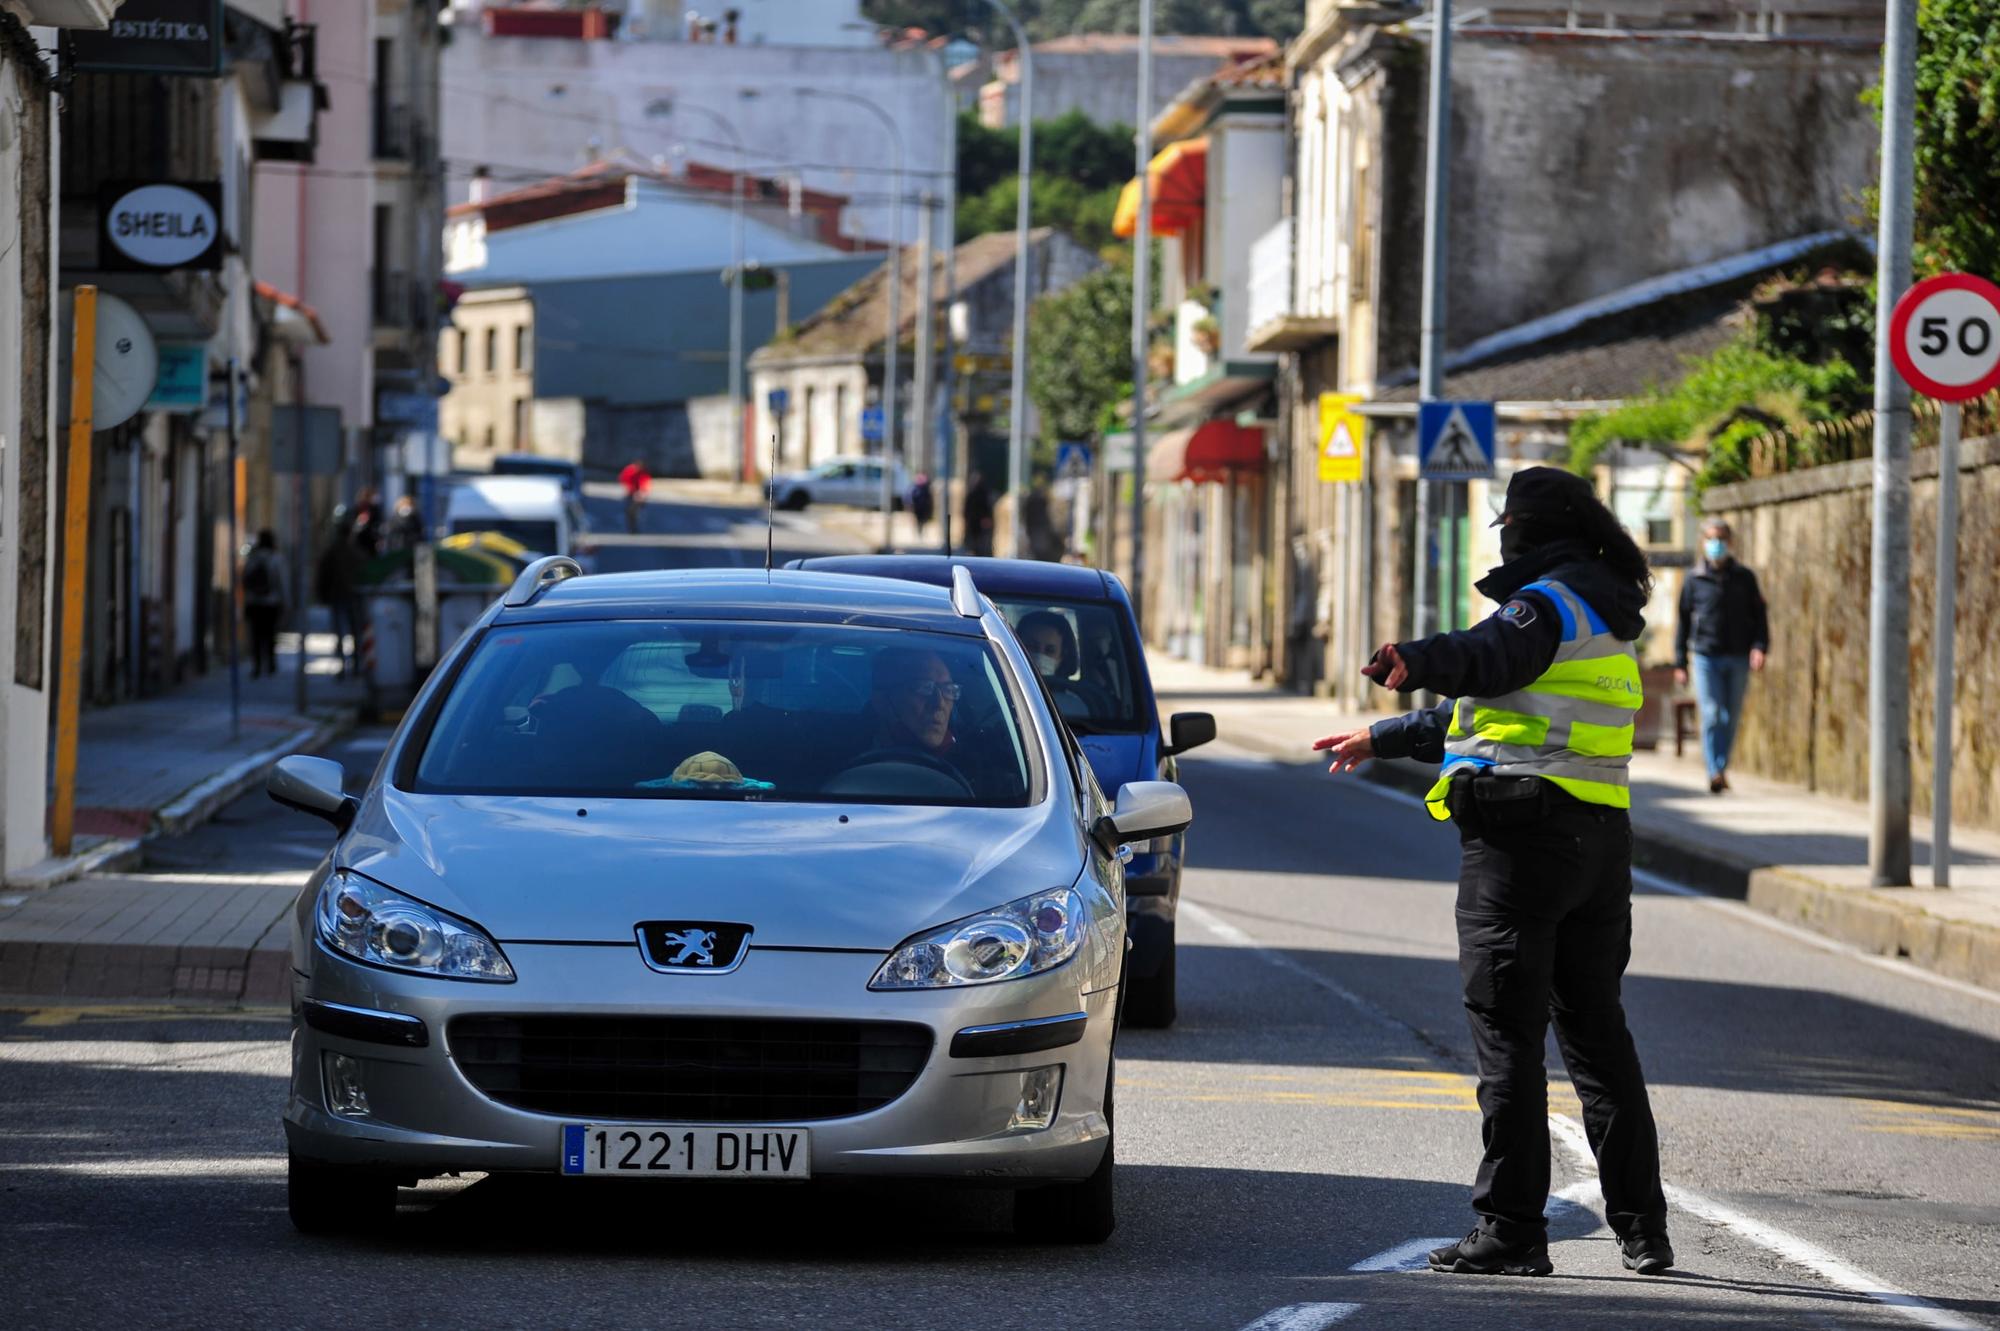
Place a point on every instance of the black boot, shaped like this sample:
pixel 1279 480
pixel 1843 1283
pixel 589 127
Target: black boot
pixel 1481 1254
pixel 1648 1254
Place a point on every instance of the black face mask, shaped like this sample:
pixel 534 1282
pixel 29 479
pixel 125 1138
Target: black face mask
pixel 1515 541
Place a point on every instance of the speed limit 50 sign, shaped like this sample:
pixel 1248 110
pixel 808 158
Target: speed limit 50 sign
pixel 1945 337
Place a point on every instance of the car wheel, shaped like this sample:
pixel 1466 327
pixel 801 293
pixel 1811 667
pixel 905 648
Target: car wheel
pixel 1081 1212
pixel 795 501
pixel 1149 1001
pixel 327 1199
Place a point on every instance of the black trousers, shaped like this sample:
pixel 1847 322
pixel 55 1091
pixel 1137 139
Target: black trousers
pixel 1545 931
pixel 263 637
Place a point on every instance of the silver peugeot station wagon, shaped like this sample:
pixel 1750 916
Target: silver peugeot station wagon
pixel 720 874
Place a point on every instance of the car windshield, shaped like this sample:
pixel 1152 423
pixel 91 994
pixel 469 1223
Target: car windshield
pixel 544 538
pixel 734 711
pixel 1084 656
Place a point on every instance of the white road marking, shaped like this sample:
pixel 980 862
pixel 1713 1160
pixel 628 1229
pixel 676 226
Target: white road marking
pixel 1235 937
pixel 1411 1256
pixel 1304 1317
pixel 1569 1133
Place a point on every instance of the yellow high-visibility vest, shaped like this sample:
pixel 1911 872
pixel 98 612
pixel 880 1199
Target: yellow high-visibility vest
pixel 1572 726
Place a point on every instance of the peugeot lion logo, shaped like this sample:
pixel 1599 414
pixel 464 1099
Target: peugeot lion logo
pixel 701 947
pixel 695 947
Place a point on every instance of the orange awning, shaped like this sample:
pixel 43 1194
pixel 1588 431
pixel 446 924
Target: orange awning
pixel 1179 173
pixel 1206 452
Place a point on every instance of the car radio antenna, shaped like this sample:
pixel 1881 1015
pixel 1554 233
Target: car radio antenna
pixel 770 505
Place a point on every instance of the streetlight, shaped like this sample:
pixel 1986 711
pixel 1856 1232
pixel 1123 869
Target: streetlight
pixel 735 266
pixel 890 368
pixel 1017 415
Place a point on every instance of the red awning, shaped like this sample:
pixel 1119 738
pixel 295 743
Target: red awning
pixel 1179 188
pixel 1206 452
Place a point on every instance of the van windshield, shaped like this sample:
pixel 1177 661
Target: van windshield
pixel 544 538
pixel 733 711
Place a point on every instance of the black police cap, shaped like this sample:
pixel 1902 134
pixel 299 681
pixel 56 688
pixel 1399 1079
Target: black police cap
pixel 1549 496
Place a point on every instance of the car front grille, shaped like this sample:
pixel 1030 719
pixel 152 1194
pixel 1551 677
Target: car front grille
pixel 689 1069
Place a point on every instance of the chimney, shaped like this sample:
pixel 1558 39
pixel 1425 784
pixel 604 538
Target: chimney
pixel 729 18
pixel 482 184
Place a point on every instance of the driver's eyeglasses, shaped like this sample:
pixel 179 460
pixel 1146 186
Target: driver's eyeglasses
pixel 928 689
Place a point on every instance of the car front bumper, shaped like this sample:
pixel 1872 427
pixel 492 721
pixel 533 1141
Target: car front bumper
pixel 426 1117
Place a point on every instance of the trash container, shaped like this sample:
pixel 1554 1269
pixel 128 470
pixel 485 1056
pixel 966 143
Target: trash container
pixel 392 624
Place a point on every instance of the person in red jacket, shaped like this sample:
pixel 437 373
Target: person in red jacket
pixel 637 481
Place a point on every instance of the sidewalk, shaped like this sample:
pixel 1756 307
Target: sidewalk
pixel 1800 856
pixel 157 766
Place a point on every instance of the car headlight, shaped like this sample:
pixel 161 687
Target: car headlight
pixel 364 920
pixel 1024 937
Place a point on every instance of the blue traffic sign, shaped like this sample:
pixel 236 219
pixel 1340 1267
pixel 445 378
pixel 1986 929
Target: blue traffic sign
pixel 1455 441
pixel 871 424
pixel 779 399
pixel 1072 460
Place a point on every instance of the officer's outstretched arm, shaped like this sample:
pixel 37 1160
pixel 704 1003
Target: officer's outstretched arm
pixel 1504 652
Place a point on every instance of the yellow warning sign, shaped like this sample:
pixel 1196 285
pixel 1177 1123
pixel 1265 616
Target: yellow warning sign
pixel 1343 436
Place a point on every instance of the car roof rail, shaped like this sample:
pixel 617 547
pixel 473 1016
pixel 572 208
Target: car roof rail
pixel 965 597
pixel 538 577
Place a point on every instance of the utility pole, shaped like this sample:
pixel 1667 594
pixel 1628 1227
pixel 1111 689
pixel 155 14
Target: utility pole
pixel 919 448
pixel 1017 393
pixel 1142 302
pixel 235 541
pixel 1437 204
pixel 75 553
pixel 1889 581
pixel 944 414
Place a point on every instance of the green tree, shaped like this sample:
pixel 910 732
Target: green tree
pixel 1055 201
pixel 1080 354
pixel 1958 136
pixel 1725 400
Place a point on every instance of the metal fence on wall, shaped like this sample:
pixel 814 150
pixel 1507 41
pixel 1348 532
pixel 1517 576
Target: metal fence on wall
pixel 1853 438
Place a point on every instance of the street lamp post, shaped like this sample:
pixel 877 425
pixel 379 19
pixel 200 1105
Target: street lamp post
pixel 1017 415
pixel 1142 302
pixel 891 365
pixel 737 274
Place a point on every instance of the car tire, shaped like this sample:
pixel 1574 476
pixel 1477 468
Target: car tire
pixel 328 1199
pixel 795 501
pixel 1083 1212
pixel 1149 1001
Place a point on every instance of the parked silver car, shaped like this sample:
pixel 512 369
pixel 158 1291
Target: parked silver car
pixel 717 874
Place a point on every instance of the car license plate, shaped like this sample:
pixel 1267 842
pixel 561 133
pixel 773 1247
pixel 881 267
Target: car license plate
pixel 684 1150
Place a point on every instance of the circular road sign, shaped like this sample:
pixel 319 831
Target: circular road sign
pixel 1945 336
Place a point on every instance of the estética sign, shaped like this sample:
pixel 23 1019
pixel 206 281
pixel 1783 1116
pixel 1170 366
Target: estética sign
pixel 158 226
pixel 155 37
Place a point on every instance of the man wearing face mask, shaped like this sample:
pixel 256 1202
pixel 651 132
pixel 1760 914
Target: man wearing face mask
pixel 1535 739
pixel 1724 632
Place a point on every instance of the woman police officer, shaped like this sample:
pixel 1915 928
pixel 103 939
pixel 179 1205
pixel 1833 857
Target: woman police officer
pixel 1535 737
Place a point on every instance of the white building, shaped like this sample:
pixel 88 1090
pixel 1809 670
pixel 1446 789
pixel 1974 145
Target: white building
pixel 532 106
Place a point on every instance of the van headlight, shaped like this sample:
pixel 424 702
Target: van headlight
pixel 368 922
pixel 1025 937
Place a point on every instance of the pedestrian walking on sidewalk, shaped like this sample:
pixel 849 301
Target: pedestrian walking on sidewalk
pixel 264 602
pixel 337 585
pixel 1723 634
pixel 1535 738
pixel 923 502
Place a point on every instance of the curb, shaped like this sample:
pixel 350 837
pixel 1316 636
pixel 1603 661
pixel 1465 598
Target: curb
pixel 190 809
pixel 1888 921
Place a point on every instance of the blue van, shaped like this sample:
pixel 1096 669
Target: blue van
pixel 1098 680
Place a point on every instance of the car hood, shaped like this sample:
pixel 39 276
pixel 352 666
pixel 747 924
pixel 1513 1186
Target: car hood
pixel 801 875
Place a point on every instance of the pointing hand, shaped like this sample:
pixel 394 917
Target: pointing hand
pixel 1387 668
pixel 1349 750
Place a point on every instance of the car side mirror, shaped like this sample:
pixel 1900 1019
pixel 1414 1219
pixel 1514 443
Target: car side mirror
pixel 312 785
pixel 1145 809
pixel 1189 730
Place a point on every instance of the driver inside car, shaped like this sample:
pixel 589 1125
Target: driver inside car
pixel 914 696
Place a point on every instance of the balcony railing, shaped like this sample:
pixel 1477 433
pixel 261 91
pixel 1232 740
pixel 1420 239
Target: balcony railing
pixel 395 136
pixel 1275 323
pixel 398 300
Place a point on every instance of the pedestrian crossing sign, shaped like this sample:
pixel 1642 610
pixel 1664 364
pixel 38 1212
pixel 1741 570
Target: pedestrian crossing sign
pixel 1342 435
pixel 1455 441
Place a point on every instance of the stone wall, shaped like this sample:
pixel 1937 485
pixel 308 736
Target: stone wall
pixel 1807 536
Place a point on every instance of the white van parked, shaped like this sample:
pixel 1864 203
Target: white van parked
pixel 533 510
